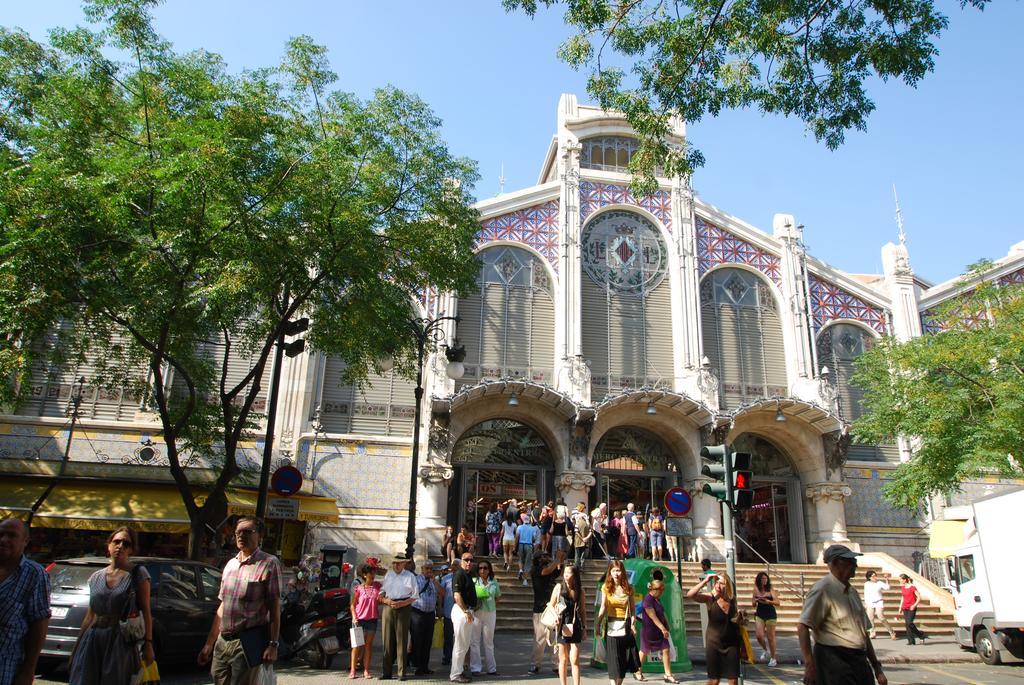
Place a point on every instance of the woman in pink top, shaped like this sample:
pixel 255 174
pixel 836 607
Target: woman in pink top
pixel 365 615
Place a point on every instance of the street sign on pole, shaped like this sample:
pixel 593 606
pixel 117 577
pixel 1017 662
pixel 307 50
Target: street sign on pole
pixel 679 527
pixel 677 502
pixel 286 481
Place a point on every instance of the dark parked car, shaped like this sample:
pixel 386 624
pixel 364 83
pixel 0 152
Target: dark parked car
pixel 183 601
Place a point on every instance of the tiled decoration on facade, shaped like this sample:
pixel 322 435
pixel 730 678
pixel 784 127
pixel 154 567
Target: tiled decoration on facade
pixel 717 246
pixel 593 196
pixel 430 300
pixel 868 507
pixel 1012 278
pixel 361 475
pixel 535 226
pixel 829 302
pixel 41 443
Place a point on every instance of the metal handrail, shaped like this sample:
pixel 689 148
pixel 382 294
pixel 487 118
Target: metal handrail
pixel 773 570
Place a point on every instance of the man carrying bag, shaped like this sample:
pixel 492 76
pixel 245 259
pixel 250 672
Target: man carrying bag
pixel 248 621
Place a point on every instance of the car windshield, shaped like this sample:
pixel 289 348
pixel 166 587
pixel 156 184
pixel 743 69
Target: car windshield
pixel 71 578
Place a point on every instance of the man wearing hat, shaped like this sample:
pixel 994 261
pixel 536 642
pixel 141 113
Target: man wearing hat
pixel 397 593
pixel 842 653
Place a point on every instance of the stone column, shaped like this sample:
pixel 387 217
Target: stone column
pixel 707 521
pixel 574 487
pixel 686 298
pixel 795 312
pixel 829 515
pixel 434 478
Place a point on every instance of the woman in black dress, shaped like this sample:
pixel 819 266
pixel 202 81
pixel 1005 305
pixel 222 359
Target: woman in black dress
pixel 723 638
pixel 572 624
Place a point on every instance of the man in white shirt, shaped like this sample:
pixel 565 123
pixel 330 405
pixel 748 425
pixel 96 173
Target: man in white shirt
pixel 599 524
pixel 397 593
pixel 874 602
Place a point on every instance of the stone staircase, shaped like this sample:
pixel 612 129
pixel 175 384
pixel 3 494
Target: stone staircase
pixel 515 609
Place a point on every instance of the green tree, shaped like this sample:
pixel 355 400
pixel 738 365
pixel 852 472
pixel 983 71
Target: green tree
pixel 154 204
pixel 957 394
pixel 811 59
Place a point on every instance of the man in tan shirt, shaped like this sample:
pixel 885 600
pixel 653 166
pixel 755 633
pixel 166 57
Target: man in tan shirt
pixel 842 654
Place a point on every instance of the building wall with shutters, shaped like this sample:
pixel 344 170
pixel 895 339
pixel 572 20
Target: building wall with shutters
pixel 626 304
pixel 508 324
pixel 384 404
pixel 742 336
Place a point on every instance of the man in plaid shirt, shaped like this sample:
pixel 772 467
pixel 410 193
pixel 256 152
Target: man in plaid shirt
pixel 24 606
pixel 250 601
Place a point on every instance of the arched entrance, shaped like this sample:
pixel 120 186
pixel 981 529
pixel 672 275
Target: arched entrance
pixel 773 527
pixel 497 460
pixel 632 465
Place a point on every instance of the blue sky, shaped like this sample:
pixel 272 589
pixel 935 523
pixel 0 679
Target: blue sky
pixel 952 146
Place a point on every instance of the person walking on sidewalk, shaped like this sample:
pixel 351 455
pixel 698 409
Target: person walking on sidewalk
pixel 766 599
pixel 842 653
pixel 572 623
pixel 874 602
pixel 397 593
pixel 424 609
pixel 722 641
pixel 654 632
pixel 365 615
pixel 24 606
pixel 544 577
pixel 911 598
pixel 616 613
pixel 250 604
pixel 463 615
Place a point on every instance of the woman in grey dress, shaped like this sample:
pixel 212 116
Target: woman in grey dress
pixel 102 655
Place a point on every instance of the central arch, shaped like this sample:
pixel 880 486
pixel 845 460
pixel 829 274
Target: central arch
pixel 632 464
pixel 496 460
pixel 774 526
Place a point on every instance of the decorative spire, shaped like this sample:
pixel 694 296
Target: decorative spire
pixel 899 218
pixel 501 180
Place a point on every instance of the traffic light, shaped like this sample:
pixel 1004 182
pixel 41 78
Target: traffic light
pixel 742 481
pixel 717 469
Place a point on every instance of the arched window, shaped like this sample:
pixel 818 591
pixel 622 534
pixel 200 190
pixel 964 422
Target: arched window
pixel 839 345
pixel 742 336
pixel 626 303
pixel 607 153
pixel 508 324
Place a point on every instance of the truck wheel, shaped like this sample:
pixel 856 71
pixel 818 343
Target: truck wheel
pixel 985 646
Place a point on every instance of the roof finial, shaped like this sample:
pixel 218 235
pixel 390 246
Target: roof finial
pixel 899 217
pixel 501 180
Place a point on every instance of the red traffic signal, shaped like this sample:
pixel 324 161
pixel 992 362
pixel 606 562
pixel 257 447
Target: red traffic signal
pixel 743 480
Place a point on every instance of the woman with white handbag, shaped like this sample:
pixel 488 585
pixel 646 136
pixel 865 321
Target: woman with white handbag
pixel 572 623
pixel 365 618
pixel 616 614
pixel 118 619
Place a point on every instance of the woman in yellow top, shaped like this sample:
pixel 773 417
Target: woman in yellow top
pixel 616 616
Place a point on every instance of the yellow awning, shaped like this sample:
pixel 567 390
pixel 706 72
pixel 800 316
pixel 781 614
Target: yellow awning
pixel 16 499
pixel 310 508
pixel 105 506
pixel 945 537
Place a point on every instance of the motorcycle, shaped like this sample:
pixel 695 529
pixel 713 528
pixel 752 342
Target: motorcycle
pixel 315 630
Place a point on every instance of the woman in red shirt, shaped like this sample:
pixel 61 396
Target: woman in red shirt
pixel 911 598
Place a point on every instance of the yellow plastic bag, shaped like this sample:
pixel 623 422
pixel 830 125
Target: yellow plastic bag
pixel 147 675
pixel 747 653
pixel 437 642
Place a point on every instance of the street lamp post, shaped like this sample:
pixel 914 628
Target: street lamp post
pixel 427 332
pixel 292 349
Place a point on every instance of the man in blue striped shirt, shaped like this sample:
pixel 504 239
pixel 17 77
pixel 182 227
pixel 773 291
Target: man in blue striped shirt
pixel 24 606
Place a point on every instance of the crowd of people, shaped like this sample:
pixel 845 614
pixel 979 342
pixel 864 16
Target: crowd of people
pixel 116 637
pixel 513 531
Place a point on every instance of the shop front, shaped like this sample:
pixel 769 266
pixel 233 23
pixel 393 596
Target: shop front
pixel 78 515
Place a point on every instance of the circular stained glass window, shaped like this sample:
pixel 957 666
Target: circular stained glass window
pixel 624 251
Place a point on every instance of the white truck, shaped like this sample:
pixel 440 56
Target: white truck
pixel 986 577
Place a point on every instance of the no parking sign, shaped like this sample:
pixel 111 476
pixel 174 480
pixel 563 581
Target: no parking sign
pixel 677 501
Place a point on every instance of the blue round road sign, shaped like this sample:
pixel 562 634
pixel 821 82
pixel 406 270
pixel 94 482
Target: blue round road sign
pixel 677 501
pixel 286 481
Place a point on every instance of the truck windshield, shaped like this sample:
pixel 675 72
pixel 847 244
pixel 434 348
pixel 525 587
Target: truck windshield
pixel 965 566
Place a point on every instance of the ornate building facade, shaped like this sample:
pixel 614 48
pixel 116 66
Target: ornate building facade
pixel 610 338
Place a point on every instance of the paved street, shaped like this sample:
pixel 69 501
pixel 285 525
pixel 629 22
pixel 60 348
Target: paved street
pixel 938 663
